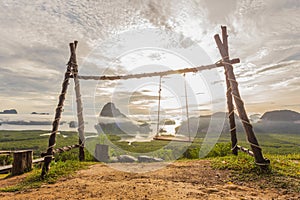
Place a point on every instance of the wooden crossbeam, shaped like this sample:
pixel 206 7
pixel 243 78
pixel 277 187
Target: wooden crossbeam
pixel 164 73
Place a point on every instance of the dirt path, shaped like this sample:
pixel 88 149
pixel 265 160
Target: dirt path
pixel 179 180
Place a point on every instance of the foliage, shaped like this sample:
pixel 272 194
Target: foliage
pixel 191 153
pixel 220 150
pixel 35 140
pixel 18 140
pixel 5 160
pixel 282 149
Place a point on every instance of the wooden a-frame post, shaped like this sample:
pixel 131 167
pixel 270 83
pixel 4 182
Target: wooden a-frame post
pixel 230 106
pixel 233 85
pixel 72 69
pixel 79 106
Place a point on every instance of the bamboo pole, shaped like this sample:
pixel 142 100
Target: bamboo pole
pixel 79 104
pixel 229 98
pixel 58 111
pixel 259 159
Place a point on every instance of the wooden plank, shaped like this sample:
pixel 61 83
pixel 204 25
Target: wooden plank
pixel 6 152
pixel 7 168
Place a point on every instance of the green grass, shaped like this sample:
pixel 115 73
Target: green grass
pixel 19 140
pixel 281 144
pixel 282 149
pixel 58 170
pixel 284 172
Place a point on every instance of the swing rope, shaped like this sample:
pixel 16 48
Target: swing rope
pixel 187 108
pixel 158 111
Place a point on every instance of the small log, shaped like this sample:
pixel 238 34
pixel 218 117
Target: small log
pixel 101 153
pixel 22 162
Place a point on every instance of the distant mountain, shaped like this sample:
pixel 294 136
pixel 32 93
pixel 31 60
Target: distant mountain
pixel 201 124
pixel 110 110
pixel 282 121
pixel 281 115
pixel 11 111
pixel 36 113
pixel 112 121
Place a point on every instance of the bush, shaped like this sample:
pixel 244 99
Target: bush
pixel 5 160
pixel 191 153
pixel 220 150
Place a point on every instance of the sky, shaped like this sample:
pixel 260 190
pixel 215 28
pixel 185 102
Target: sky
pixel 34 39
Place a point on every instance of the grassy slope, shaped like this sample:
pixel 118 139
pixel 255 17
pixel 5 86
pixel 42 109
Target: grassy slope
pixel 58 170
pixel 284 172
pixel 282 149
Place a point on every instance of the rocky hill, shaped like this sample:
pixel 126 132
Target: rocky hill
pixel 281 121
pixel 281 115
pixel 11 111
pixel 113 121
pixel 110 110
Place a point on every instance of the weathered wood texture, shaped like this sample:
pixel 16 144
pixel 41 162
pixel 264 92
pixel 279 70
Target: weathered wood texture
pixel 230 106
pixel 58 112
pixel 79 105
pixel 101 153
pixel 259 159
pixel 7 168
pixel 22 162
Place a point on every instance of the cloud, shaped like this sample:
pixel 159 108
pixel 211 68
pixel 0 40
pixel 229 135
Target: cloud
pixel 34 38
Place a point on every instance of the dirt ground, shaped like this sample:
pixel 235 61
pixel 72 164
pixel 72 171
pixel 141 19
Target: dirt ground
pixel 179 180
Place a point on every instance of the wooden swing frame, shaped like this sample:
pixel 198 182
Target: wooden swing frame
pixel 231 94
